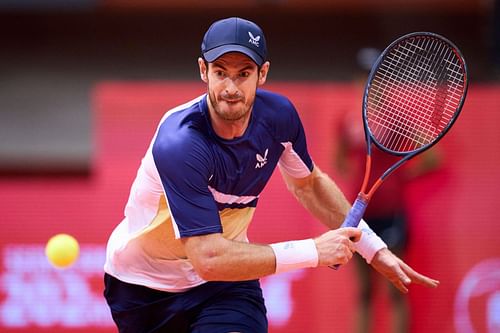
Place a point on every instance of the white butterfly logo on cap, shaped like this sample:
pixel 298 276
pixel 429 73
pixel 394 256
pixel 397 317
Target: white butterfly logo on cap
pixel 253 40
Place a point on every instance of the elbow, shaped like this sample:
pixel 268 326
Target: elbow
pixel 206 268
pixel 303 187
pixel 207 255
pixel 207 263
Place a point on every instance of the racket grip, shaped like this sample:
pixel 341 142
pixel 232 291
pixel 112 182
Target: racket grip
pixel 356 213
pixel 354 216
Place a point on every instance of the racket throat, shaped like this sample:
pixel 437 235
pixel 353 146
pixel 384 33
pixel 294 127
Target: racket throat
pixel 368 167
pixel 369 195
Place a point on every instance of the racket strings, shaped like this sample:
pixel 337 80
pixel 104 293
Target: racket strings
pixel 412 89
pixel 414 94
pixel 422 70
pixel 397 139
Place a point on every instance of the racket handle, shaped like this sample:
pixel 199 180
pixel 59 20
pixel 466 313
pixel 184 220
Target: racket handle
pixel 354 216
pixel 356 213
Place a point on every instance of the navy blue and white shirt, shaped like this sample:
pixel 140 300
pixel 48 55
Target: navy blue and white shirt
pixel 192 182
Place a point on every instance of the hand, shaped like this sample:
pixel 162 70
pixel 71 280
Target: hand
pixel 336 247
pixel 399 273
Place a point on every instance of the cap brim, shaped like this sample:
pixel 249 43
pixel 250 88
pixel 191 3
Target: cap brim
pixel 217 52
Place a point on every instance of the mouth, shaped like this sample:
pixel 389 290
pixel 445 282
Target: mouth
pixel 232 101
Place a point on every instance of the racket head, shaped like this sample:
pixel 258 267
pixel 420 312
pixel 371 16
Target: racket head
pixel 414 93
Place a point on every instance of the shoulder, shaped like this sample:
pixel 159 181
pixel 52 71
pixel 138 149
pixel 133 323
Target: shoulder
pixel 276 112
pixel 181 124
pixel 181 134
pixel 272 100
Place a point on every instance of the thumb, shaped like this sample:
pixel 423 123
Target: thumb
pixel 354 234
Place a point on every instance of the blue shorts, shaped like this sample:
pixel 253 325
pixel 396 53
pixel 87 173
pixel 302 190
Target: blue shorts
pixel 213 307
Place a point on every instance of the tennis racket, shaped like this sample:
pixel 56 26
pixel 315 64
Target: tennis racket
pixel 414 94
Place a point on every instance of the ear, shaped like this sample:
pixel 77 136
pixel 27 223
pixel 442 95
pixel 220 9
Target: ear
pixel 203 70
pixel 264 69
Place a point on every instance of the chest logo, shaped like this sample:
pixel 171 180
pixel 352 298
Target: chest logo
pixel 261 160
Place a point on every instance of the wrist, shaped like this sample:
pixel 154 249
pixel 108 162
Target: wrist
pixel 369 244
pixel 295 254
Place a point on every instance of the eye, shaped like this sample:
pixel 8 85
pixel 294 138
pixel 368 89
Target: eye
pixel 245 74
pixel 220 74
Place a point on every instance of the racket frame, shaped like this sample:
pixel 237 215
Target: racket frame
pixel 360 204
pixel 370 138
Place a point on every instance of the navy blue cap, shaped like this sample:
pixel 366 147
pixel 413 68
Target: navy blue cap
pixel 234 34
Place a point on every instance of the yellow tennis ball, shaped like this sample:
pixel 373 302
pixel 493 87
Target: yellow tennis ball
pixel 62 250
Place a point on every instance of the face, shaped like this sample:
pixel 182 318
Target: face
pixel 232 81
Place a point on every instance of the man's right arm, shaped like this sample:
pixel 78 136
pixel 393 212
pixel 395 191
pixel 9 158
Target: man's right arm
pixel 218 259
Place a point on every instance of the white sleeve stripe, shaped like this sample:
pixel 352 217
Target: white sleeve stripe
pixel 181 107
pixel 291 163
pixel 224 198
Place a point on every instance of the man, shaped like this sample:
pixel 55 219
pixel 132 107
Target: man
pixel 180 261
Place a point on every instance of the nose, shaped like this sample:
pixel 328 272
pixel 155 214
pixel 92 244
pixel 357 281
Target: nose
pixel 231 88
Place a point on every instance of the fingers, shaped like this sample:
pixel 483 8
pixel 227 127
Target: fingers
pixel 401 280
pixel 342 251
pixel 399 273
pixel 400 286
pixel 404 280
pixel 335 246
pixel 342 258
pixel 354 234
pixel 419 278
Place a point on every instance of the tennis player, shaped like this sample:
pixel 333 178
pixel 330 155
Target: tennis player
pixel 180 261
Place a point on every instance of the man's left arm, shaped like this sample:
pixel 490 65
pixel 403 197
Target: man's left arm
pixel 319 194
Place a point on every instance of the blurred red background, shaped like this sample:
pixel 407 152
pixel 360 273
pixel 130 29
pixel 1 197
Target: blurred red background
pixel 453 225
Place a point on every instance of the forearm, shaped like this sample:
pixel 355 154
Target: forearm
pixel 218 259
pixel 322 198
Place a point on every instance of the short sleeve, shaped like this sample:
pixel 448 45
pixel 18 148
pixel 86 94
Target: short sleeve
pixel 295 159
pixel 184 166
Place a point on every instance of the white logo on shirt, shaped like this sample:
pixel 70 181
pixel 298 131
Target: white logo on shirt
pixel 254 40
pixel 261 160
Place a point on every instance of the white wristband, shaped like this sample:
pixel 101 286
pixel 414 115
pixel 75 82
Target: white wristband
pixel 295 254
pixel 369 244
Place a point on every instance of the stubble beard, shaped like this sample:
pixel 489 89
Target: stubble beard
pixel 233 115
